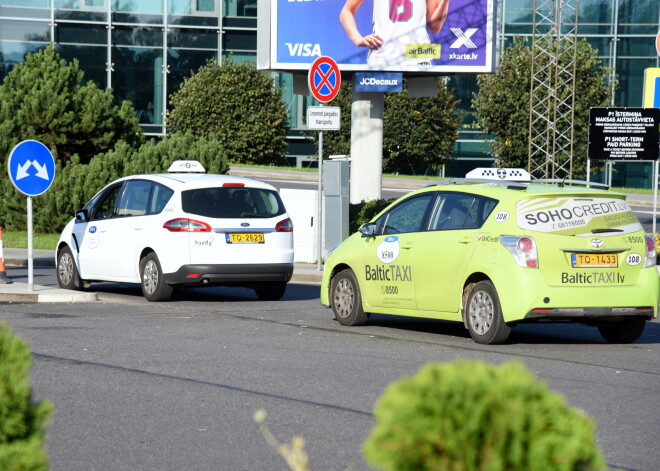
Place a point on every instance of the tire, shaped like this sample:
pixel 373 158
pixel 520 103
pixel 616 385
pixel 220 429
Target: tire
pixel 623 331
pixel 271 291
pixel 67 271
pixel 483 315
pixel 152 280
pixel 346 300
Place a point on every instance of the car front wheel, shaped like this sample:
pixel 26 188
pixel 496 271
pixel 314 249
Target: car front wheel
pixel 153 283
pixel 67 271
pixel 346 300
pixel 484 315
pixel 622 332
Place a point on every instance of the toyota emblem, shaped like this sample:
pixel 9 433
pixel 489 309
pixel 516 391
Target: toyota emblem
pixel 596 243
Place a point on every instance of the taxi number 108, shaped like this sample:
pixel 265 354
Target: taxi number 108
pixel 389 289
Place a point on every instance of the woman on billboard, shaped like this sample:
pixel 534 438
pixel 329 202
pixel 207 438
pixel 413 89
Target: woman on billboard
pixel 401 30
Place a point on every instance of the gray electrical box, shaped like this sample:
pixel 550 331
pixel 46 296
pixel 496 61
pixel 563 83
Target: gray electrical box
pixel 336 197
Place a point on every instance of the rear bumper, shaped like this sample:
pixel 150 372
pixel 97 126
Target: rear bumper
pixel 586 314
pixel 230 274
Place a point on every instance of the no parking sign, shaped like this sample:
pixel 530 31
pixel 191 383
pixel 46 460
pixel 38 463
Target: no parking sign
pixel 324 79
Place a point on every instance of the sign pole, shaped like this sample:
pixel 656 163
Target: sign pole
pixel 655 193
pixel 30 245
pixel 319 225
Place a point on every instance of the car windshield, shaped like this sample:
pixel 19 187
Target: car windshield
pixel 577 216
pixel 232 202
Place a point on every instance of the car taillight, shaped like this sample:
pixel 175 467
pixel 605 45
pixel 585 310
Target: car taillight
pixel 285 225
pixel 186 225
pixel 650 256
pixel 523 249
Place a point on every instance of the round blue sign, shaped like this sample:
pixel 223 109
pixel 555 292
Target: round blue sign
pixel 31 167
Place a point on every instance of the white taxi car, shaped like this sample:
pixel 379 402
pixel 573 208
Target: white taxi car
pixel 180 229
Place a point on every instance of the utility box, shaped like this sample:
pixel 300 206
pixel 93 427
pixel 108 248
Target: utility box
pixel 336 198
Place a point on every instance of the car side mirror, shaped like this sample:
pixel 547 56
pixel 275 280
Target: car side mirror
pixel 81 216
pixel 368 229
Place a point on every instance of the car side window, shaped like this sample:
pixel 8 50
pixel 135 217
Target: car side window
pixel 159 198
pixel 135 199
pixel 108 204
pixel 408 216
pixel 454 211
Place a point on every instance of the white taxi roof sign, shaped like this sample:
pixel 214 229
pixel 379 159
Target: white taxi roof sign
pixel 501 174
pixel 186 166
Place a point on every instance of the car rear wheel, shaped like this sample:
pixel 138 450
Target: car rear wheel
pixel 67 271
pixel 153 283
pixel 484 315
pixel 271 291
pixel 346 300
pixel 622 332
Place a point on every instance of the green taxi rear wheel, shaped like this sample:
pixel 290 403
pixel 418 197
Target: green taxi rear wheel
pixel 622 332
pixel 346 300
pixel 483 315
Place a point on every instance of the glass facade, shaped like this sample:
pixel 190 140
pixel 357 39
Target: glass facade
pixel 144 49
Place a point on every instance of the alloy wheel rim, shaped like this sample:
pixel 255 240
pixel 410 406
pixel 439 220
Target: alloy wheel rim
pixel 481 312
pixel 66 268
pixel 150 277
pixel 344 298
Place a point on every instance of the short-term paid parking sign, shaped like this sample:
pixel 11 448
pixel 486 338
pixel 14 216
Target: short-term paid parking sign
pixel 31 167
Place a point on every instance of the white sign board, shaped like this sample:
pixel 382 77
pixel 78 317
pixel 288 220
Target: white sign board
pixel 323 118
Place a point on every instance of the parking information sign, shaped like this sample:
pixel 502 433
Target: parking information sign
pixel 624 133
pixel 31 167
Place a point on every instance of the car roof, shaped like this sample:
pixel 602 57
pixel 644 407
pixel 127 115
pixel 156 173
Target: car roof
pixel 185 181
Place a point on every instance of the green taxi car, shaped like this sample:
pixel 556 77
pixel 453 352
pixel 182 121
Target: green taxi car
pixel 496 253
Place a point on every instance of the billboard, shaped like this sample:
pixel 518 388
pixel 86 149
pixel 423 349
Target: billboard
pixel 378 35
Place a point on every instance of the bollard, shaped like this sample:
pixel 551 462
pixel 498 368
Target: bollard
pixel 3 272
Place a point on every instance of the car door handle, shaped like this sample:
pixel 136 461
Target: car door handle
pixel 407 246
pixel 464 240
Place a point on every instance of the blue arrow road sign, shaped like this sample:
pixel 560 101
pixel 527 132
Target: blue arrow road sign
pixel 31 167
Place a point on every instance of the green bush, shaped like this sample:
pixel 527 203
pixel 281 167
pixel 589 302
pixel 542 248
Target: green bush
pixel 22 421
pixel 465 416
pixel 360 213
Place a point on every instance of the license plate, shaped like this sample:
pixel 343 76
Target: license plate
pixel 585 260
pixel 245 238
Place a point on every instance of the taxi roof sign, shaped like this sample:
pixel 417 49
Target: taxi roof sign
pixel 500 174
pixel 186 166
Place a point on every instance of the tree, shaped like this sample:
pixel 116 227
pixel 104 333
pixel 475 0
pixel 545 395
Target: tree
pixel 46 99
pixel 502 102
pixel 417 132
pixel 238 105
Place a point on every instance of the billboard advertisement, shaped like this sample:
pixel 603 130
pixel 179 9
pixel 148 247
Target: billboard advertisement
pixel 435 36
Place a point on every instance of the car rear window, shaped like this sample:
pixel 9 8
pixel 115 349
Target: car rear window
pixel 232 202
pixel 577 216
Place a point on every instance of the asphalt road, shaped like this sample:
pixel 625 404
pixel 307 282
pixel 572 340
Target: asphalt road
pixel 171 386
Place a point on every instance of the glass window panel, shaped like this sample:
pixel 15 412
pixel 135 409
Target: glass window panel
pixel 193 38
pixel 231 7
pixel 25 30
pixel 636 47
pixel 27 3
pixel 639 11
pixel 91 59
pixel 32 13
pixel 519 11
pixel 209 21
pixel 408 216
pixel 142 6
pixel 631 77
pixel 240 40
pixel 81 34
pixel 141 18
pixel 12 53
pixel 241 57
pixel 81 4
pixel 650 29
pixel 601 44
pixel 596 11
pixel 77 15
pixel 138 77
pixel 137 36
pixel 285 84
pixel 183 63
pixel 205 5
